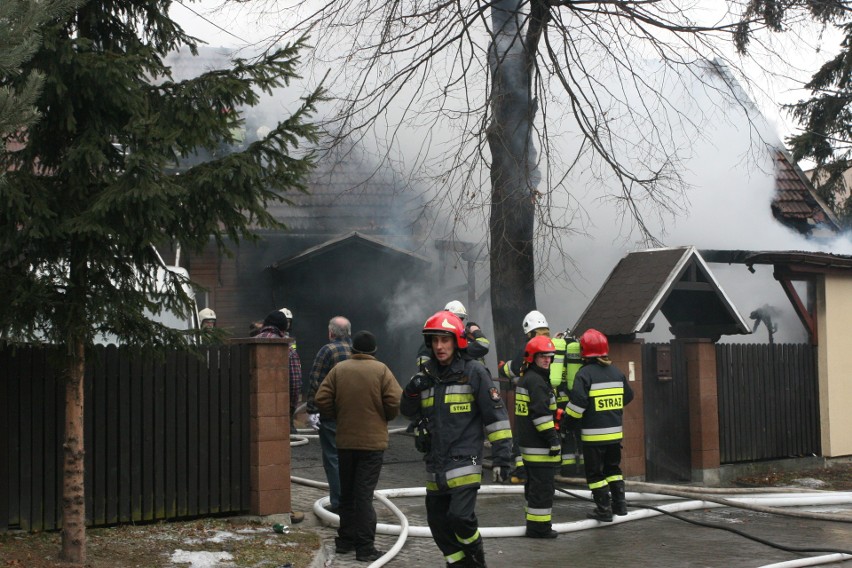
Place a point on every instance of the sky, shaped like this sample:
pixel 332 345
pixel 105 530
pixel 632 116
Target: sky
pixel 726 207
pixel 237 25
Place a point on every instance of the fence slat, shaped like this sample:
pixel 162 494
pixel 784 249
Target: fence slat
pixel 170 436
pixel 213 419
pixel 181 441
pixel 224 430
pixel 192 434
pixel 126 429
pixel 112 455
pixel 6 457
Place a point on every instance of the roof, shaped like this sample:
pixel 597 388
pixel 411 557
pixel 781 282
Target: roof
pixel 796 203
pixel 814 261
pixel 676 281
pixel 352 239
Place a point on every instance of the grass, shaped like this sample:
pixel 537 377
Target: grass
pixel 250 544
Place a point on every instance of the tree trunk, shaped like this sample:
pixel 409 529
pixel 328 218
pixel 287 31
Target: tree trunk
pixel 512 202
pixel 73 494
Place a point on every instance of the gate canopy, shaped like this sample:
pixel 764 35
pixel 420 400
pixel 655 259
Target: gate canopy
pixel 674 281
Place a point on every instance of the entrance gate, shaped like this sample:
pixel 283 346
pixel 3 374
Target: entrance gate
pixel 667 447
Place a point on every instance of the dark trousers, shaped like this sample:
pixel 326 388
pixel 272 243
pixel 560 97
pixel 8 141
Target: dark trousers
pixel 538 492
pixel 359 474
pixel 452 519
pixel 603 464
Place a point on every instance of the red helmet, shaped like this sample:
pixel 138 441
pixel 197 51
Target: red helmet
pixel 594 344
pixel 445 323
pixel 538 344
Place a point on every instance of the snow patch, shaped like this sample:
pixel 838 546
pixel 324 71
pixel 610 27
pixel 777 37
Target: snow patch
pixel 810 482
pixel 200 559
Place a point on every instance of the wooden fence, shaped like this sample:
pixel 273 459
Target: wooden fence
pixel 768 401
pixel 165 438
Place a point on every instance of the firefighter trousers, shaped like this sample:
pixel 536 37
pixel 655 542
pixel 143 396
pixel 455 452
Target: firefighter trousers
pixel 452 519
pixel 603 464
pixel 538 492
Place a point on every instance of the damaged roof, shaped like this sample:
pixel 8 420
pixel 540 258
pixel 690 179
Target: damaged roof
pixel 796 203
pixel 676 281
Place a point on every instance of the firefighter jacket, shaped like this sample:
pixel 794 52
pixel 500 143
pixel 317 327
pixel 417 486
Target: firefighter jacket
pixel 477 348
pixel 535 404
pixel 597 399
pixel 461 403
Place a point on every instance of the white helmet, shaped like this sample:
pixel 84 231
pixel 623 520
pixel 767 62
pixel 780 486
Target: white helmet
pixel 534 320
pixel 287 313
pixel 456 308
pixel 206 314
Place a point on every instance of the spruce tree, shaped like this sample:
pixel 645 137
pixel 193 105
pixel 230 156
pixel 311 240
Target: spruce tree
pixel 99 181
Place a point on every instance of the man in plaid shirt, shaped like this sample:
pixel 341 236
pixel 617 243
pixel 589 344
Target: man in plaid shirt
pixel 277 324
pixel 338 349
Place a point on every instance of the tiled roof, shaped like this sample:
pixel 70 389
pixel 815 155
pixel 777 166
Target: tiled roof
pixel 796 204
pixel 675 281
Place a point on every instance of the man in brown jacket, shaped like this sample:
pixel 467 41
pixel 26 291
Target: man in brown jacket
pixel 363 395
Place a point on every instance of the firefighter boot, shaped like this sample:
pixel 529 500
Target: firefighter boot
pixel 476 556
pixel 619 502
pixel 603 509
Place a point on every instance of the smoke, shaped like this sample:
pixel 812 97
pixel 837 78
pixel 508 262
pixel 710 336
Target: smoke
pixel 730 182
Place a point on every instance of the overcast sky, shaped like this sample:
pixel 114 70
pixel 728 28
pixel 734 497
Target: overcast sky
pixel 238 25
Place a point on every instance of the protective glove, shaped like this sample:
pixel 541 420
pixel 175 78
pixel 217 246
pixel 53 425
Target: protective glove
pixel 314 421
pixel 500 473
pixel 418 383
pixel 555 447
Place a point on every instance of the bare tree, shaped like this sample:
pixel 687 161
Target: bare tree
pixel 496 87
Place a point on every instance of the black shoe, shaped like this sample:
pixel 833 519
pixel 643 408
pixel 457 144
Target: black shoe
pixel 369 556
pixel 549 534
pixel 602 515
pixel 343 547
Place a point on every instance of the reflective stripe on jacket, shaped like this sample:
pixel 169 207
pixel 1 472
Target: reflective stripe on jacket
pixel 598 398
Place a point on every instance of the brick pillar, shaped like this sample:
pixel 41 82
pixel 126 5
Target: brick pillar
pixel 700 358
pixel 269 416
pixel 628 358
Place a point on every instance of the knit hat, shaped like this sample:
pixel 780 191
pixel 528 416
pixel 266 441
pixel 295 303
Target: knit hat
pixel 276 319
pixel 364 342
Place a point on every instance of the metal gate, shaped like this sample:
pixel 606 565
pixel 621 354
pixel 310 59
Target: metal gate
pixel 667 447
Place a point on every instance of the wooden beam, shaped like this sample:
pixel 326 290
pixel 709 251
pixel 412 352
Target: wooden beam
pixel 807 318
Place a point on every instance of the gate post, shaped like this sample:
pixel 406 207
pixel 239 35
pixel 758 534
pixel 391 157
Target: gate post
pixel 628 358
pixel 700 359
pixel 269 425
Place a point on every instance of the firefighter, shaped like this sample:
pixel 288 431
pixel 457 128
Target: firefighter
pixel 534 324
pixel 597 400
pixel 541 450
pixel 477 344
pixel 207 318
pixel 457 405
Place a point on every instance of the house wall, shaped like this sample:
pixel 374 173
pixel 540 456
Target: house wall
pixel 834 334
